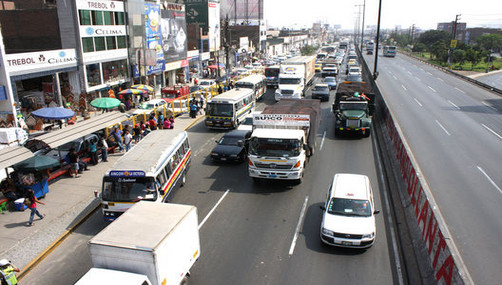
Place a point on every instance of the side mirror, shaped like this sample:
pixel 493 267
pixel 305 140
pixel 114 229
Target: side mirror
pixel 376 212
pixel 322 207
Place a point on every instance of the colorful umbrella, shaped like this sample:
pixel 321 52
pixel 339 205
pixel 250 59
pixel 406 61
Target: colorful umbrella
pixel 53 113
pixel 143 87
pixel 36 163
pixel 214 66
pixel 105 103
pixel 132 92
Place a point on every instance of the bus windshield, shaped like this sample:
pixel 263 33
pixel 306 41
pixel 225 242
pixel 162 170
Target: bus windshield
pixel 272 72
pixel 274 147
pixel 218 109
pixel 245 85
pixel 294 81
pixel 121 189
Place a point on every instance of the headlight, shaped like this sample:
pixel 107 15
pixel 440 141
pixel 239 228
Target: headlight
pixel 214 154
pixel 327 232
pixel 278 92
pixel 370 236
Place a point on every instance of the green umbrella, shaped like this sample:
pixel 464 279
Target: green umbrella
pixel 105 103
pixel 143 87
pixel 36 163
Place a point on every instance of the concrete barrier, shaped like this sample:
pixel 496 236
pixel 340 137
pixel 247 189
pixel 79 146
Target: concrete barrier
pixel 425 222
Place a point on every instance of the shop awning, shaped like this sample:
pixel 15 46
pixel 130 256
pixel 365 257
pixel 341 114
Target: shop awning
pixel 12 155
pixel 80 129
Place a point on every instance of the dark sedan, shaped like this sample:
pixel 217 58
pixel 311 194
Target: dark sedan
pixel 231 147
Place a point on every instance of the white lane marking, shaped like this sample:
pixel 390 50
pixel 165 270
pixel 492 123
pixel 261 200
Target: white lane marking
pixel 297 230
pixel 418 102
pixel 409 72
pixel 459 90
pixel 429 73
pixel 489 179
pixel 431 88
pixel 385 198
pixel 403 87
pixel 458 108
pixel 322 141
pixel 440 79
pixel 442 127
pixel 489 106
pixel 214 208
pixel 421 69
pixel 394 77
pixel 417 78
pixel 492 131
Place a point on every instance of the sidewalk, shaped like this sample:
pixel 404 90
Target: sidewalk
pixel 69 200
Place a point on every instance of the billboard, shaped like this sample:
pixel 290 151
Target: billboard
pixel 173 29
pixel 152 29
pixel 242 11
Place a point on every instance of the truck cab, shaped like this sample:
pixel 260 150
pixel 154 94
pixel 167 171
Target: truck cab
pixel 290 87
pixel 353 115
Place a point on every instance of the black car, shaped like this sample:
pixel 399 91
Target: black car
pixel 231 147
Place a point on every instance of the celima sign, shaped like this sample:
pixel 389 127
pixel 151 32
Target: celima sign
pixel 100 31
pixel 32 62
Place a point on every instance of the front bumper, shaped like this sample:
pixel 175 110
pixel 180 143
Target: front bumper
pixel 274 174
pixel 347 243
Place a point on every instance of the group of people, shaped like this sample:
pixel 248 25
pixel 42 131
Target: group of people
pixel 126 137
pixel 196 106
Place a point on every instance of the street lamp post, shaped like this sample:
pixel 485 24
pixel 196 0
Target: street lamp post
pixel 375 71
pixel 362 31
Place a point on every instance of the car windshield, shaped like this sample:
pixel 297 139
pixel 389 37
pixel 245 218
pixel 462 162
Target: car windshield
pixel 320 88
pixel 352 106
pixel 68 146
pixel 247 121
pixel 355 78
pixel 228 140
pixel 218 109
pixel 147 106
pixel 349 207
pixel 289 80
pixel 274 147
pixel 206 83
pixel 327 79
pixel 120 189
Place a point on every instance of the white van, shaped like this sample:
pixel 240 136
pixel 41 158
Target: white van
pixel 148 106
pixel 349 212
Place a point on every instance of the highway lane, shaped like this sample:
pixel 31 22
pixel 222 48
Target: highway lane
pixel 454 129
pixel 494 80
pixel 247 239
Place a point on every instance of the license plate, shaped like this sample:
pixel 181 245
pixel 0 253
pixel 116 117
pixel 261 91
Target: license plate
pixel 346 243
pixel 272 175
pixel 223 158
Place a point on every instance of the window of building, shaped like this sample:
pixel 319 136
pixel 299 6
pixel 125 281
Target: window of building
pixel 121 42
pixel 111 43
pixel 119 18
pixel 85 17
pixel 109 18
pixel 87 44
pixel 97 18
pixel 99 43
pixel 93 74
pixel 114 71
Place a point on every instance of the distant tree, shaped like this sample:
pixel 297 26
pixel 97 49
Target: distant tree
pixel 419 47
pixel 490 42
pixel 473 56
pixel 308 50
pixel 458 56
pixel 401 40
pixel 439 50
pixel 433 36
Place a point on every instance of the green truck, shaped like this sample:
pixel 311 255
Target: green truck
pixel 353 108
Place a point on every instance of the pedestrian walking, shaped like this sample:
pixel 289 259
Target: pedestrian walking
pixel 73 160
pixel 104 149
pixel 220 90
pixel 8 272
pixel 31 201
pixel 137 133
pixel 127 140
pixel 117 135
pixel 193 109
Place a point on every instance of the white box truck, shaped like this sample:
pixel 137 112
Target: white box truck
pixel 155 243
pixel 295 75
pixel 283 138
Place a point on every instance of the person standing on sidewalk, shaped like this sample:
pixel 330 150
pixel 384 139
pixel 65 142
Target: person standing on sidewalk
pixel 93 151
pixel 8 272
pixel 104 149
pixel 32 204
pixel 127 140
pixel 73 160
pixel 117 135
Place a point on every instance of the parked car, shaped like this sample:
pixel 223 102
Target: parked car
pixel 148 106
pixel 231 147
pixel 331 81
pixel 205 83
pixel 81 146
pixel 348 218
pixel 321 91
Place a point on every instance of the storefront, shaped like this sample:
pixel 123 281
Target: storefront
pixel 175 73
pixel 194 65
pixel 41 79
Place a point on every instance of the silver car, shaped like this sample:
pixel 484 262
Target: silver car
pixel 321 91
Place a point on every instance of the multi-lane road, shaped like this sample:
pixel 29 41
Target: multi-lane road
pixel 265 233
pixel 454 129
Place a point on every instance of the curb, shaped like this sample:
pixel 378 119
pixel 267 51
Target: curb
pixel 58 241
pixel 26 269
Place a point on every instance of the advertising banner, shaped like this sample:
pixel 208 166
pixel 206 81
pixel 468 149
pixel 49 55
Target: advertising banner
pixel 33 62
pixel 174 36
pixel 153 34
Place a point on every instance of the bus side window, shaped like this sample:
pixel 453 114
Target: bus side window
pixel 168 168
pixel 161 179
pixel 186 146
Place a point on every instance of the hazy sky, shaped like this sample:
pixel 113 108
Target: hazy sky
pixel 425 14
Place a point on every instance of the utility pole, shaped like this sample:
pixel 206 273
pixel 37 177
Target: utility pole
pixel 362 32
pixel 226 44
pixel 375 72
pixel 453 44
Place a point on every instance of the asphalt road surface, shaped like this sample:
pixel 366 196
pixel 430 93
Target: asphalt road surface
pixel 249 237
pixel 454 129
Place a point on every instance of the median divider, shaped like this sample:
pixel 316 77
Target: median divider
pixel 432 241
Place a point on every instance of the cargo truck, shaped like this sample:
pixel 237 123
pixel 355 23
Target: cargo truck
pixel 353 108
pixel 283 139
pixel 149 244
pixel 295 75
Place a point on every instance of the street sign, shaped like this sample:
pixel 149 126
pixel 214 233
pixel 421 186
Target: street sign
pixel 453 43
